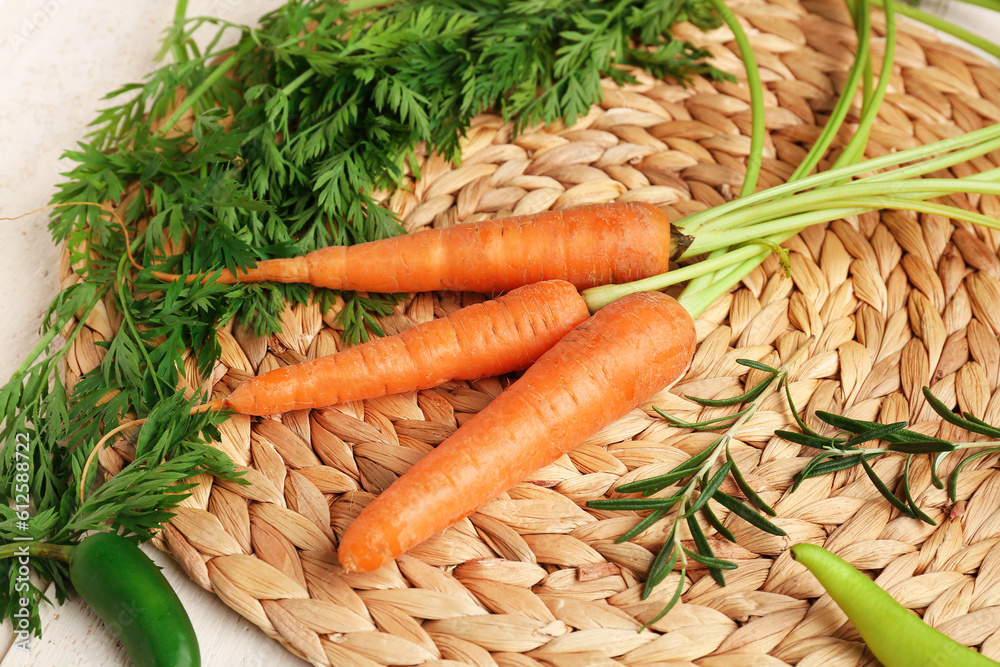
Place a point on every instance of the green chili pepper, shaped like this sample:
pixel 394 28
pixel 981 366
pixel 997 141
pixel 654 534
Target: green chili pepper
pixel 895 635
pixel 131 595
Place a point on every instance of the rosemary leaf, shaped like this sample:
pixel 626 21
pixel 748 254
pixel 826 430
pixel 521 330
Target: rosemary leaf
pixel 645 523
pixel 979 422
pixel 713 521
pixel 920 447
pixel 750 363
pixel 748 514
pixel 877 433
pixel 741 482
pixel 706 553
pixel 653 484
pixel 884 490
pixel 908 495
pixel 749 395
pixel 974 425
pixel 713 564
pixel 816 442
pixel 634 503
pixel 663 563
pixel 799 421
pixel 674 599
pixel 953 478
pixel 808 471
pixel 709 424
pixel 936 462
pixel 708 489
pixel 861 426
pixel 837 464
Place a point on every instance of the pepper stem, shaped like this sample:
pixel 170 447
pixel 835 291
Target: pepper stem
pixel 38 549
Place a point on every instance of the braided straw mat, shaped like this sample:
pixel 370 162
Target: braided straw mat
pixel 894 301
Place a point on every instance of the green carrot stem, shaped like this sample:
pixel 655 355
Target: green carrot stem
pixel 703 278
pixel 180 11
pixel 939 163
pixel 192 98
pixel 740 211
pixel 698 302
pixel 781 215
pixel 856 147
pixel 779 220
pixel 921 206
pixel 602 295
pixel 724 266
pixel 852 206
pixel 956 149
pixel 836 120
pixel 726 269
pixel 988 175
pixel 913 188
pixel 756 158
pixel 948 27
pixel 791 222
pixel 922 187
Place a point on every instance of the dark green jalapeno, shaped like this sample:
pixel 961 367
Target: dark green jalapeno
pixel 130 594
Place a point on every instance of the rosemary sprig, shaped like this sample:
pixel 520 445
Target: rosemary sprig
pixel 842 450
pixel 683 494
pixel 685 491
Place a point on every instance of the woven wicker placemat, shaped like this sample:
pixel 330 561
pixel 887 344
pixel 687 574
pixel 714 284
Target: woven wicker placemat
pixel 895 301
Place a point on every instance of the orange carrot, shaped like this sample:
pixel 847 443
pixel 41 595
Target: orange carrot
pixel 599 371
pixel 586 246
pixel 483 340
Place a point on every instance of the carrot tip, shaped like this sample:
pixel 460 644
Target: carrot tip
pixel 217 404
pixel 348 564
pixel 166 277
pixel 224 278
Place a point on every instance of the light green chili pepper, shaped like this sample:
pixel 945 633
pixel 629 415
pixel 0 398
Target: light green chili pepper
pixel 895 635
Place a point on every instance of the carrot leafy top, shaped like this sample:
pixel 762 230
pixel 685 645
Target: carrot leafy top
pixel 261 142
pixel 286 140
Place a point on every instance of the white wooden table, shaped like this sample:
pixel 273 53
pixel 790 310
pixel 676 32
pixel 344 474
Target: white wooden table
pixel 57 59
